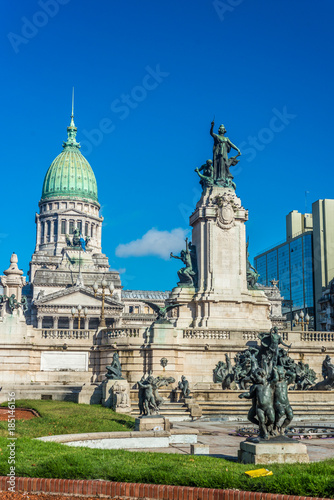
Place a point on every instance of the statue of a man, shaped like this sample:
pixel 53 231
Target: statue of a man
pixel 187 275
pixel 207 176
pixel 283 410
pixel 262 412
pixel 221 163
pixel 184 386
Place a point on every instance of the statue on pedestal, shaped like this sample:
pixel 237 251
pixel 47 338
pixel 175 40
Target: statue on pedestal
pixel 184 386
pixel 114 370
pixel 328 373
pixel 161 311
pixel 148 394
pixel 187 275
pixel 270 376
pixel 221 163
pixel 207 179
pixel 251 273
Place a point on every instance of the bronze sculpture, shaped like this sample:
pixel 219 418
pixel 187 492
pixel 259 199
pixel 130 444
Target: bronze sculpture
pixel 221 163
pixel 114 370
pixel 187 275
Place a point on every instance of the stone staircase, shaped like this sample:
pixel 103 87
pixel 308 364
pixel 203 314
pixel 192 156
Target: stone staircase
pixel 175 412
pixel 234 409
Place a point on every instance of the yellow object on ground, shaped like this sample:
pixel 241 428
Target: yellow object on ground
pixel 259 472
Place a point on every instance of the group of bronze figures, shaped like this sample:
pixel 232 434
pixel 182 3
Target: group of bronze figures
pixel 188 275
pixel 216 172
pixel 149 398
pixel 266 371
pixel 13 304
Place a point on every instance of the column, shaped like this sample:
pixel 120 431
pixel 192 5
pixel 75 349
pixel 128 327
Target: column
pixel 71 323
pixel 55 322
pixel 39 321
pixel 38 232
pixel 52 234
pixel 86 323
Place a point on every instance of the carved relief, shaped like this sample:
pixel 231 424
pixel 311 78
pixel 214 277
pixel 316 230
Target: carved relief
pixel 226 208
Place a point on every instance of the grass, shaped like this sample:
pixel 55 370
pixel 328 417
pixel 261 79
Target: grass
pixel 40 459
pixel 62 417
pixel 53 460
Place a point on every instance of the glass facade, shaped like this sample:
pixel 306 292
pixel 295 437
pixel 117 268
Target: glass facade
pixel 291 264
pixel 272 270
pixel 261 267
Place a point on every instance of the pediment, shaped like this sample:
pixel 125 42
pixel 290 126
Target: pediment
pixel 76 295
pixel 72 211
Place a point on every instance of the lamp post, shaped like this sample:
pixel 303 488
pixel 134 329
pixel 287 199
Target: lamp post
pixel 80 312
pixel 104 286
pixel 301 321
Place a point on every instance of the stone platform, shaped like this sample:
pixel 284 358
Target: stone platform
pixel 280 450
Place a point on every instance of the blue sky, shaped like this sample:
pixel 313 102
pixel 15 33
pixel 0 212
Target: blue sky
pixel 149 77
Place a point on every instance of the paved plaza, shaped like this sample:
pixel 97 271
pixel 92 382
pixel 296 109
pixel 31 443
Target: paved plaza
pixel 217 434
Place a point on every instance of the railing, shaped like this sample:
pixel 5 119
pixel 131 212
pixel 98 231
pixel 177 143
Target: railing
pixel 206 334
pixel 65 334
pixel 122 332
pixel 250 336
pixel 317 336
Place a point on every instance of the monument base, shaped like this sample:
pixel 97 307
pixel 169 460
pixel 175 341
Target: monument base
pixel 116 395
pixel 152 423
pixel 277 450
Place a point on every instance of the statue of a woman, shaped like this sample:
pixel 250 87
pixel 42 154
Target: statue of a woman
pixel 221 163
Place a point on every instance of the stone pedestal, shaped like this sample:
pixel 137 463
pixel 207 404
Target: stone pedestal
pixel 152 423
pixel 222 299
pixel 277 450
pixel 116 395
pixel 162 333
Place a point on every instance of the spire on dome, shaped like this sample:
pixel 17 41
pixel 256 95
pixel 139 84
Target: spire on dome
pixel 71 131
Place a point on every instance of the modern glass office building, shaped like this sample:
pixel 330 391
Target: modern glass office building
pixel 290 263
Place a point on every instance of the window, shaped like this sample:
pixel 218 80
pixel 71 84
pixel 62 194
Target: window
pixel 136 309
pixel 86 229
pixel 63 323
pixel 92 231
pixel 55 228
pixel 47 322
pixel 42 231
pixel 71 231
pixel 79 225
pixel 63 226
pixel 131 309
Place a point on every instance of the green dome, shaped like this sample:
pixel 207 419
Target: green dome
pixel 70 175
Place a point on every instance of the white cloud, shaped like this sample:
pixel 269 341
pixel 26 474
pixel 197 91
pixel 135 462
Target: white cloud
pixel 154 242
pixel 121 270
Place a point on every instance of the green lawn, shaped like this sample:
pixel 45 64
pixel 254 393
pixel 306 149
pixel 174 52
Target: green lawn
pixel 39 459
pixel 62 417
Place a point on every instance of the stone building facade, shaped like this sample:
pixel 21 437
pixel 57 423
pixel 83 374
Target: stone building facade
pixel 65 321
